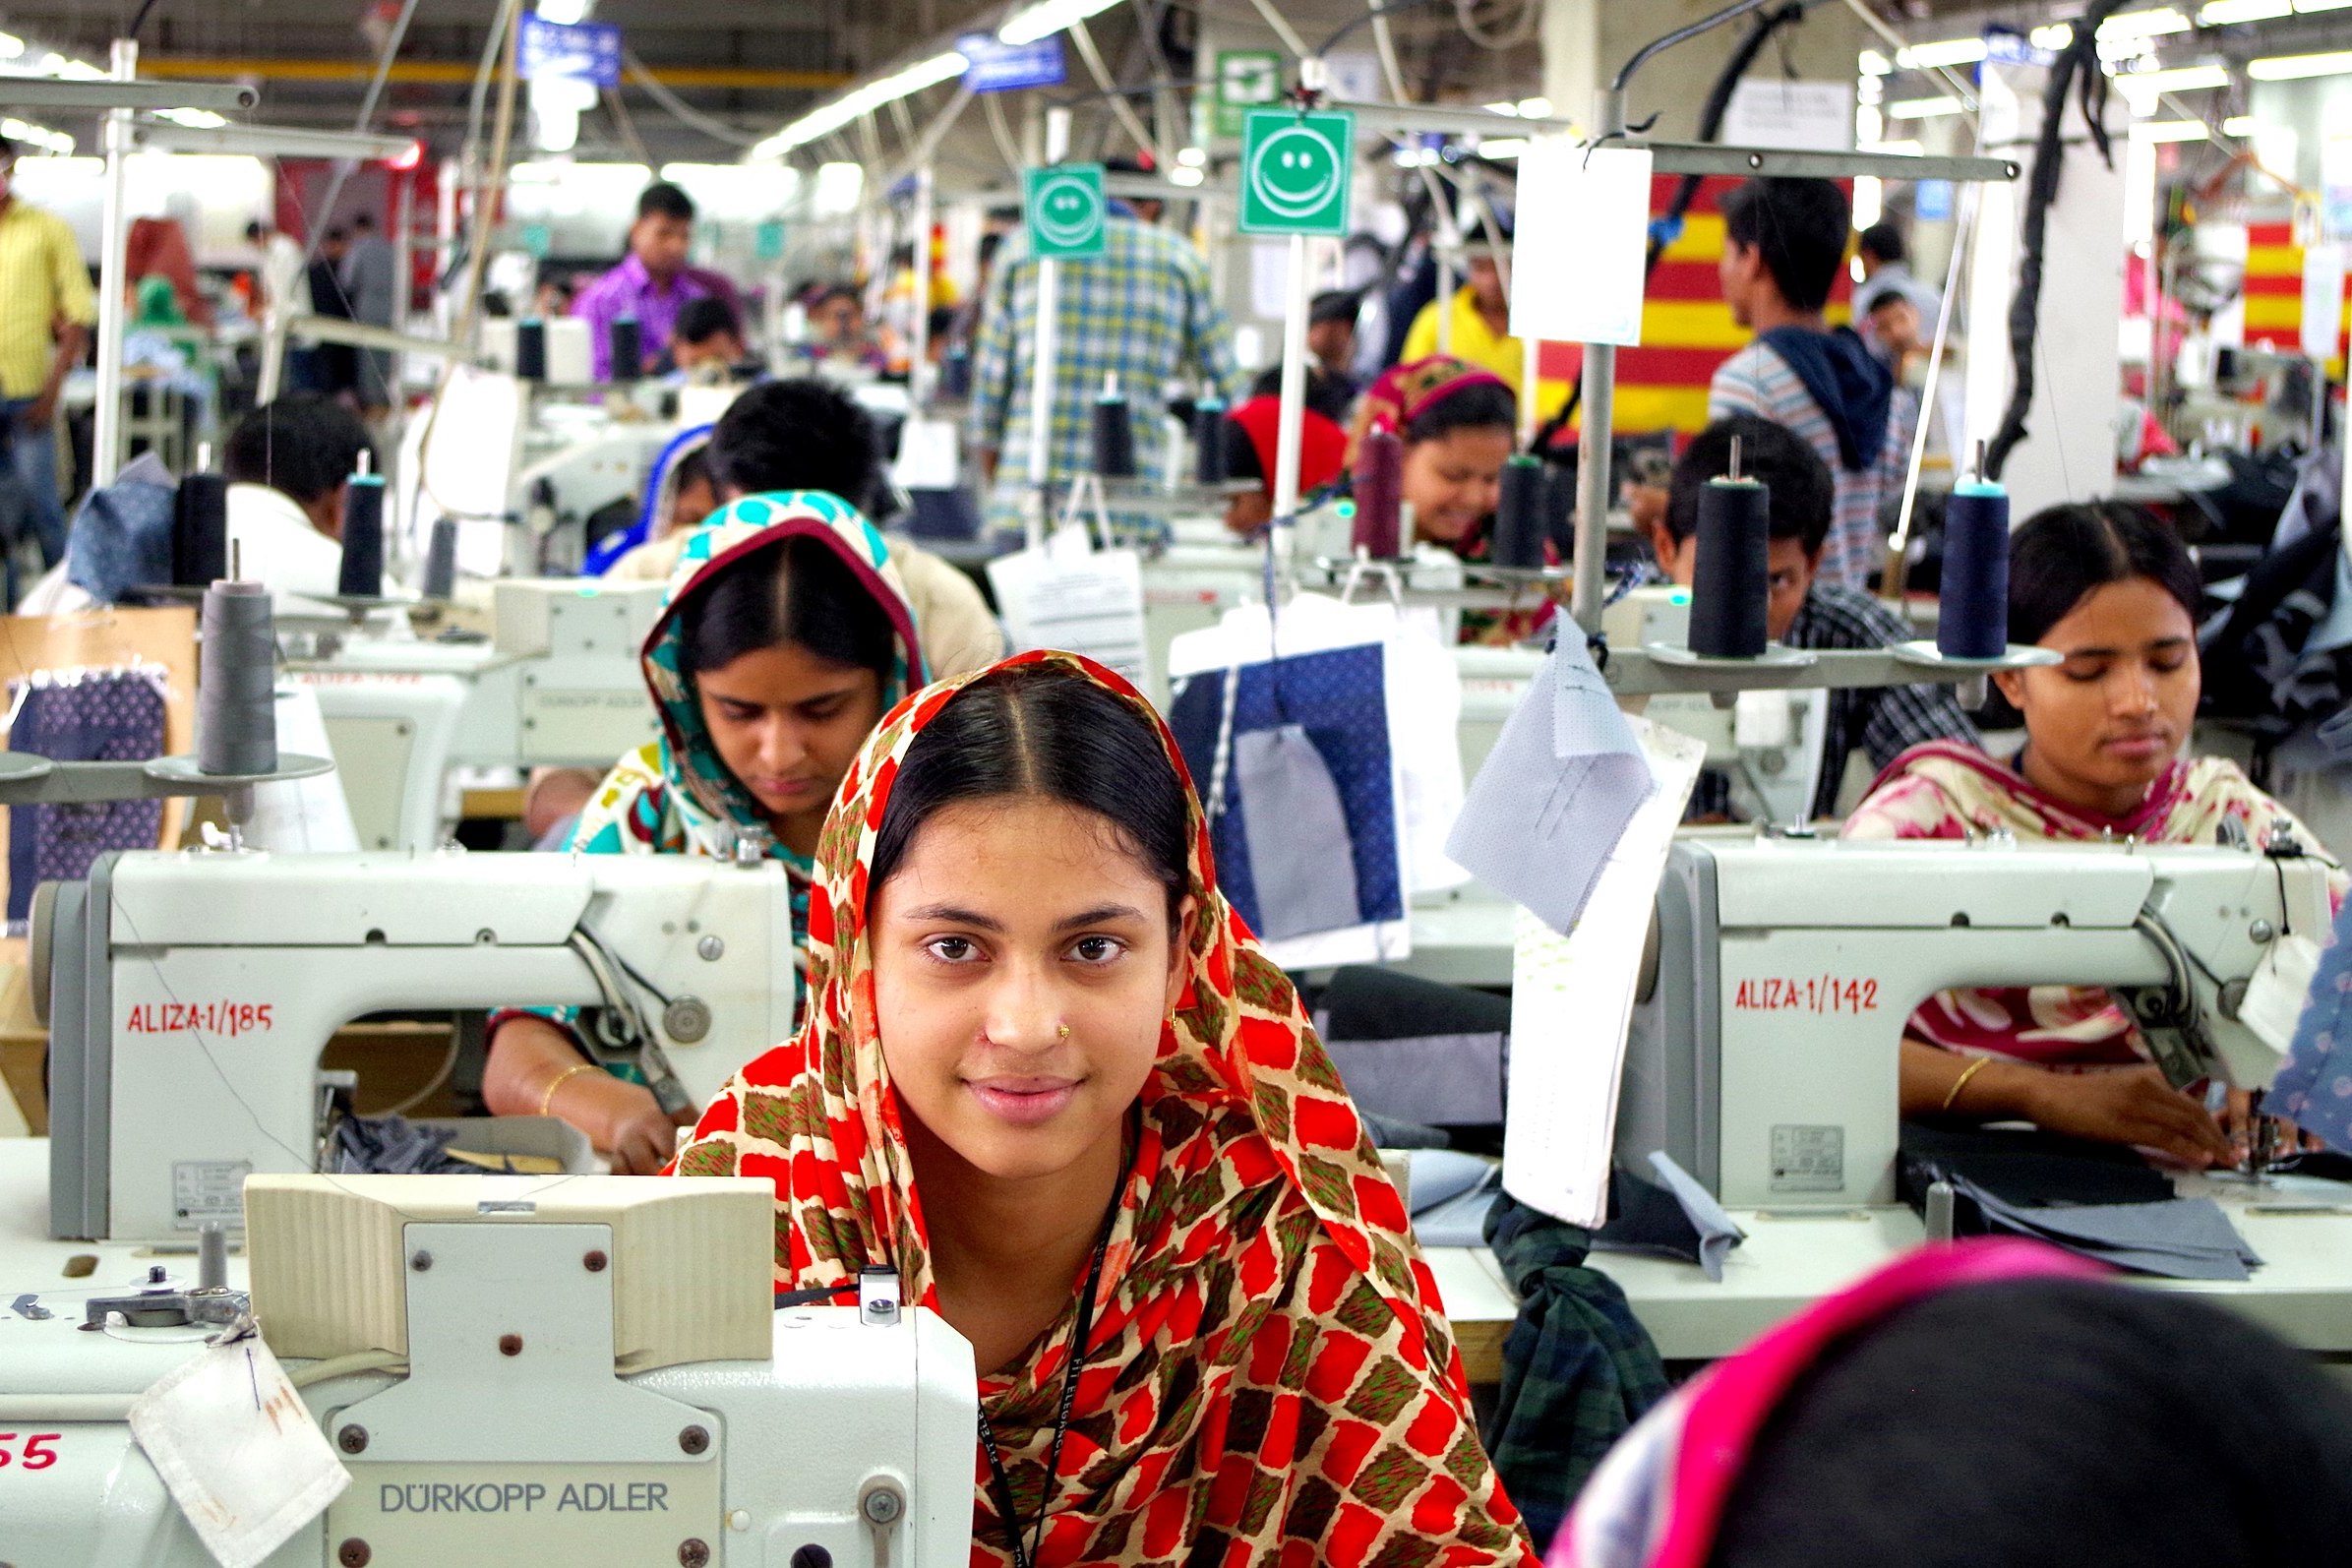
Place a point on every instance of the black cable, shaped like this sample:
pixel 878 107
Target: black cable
pixel 816 1297
pixel 2079 59
pixel 139 20
pixel 1370 15
pixel 1658 46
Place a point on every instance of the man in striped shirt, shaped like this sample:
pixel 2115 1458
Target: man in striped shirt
pixel 46 311
pixel 1783 244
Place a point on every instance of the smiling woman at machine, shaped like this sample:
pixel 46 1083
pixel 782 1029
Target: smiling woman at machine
pixel 786 635
pixel 1050 1079
pixel 2112 590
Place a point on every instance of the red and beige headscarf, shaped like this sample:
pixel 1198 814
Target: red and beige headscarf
pixel 1267 1381
pixel 1405 393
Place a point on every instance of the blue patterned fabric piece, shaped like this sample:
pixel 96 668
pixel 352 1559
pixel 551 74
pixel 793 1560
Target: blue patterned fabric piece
pixel 2314 1090
pixel 115 717
pixel 1340 698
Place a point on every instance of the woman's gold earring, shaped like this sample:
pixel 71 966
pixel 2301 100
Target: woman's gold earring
pixel 1065 1031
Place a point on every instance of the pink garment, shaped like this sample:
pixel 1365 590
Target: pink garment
pixel 1945 790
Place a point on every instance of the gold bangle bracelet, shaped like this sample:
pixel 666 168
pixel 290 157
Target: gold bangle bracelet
pixel 572 1072
pixel 1962 1082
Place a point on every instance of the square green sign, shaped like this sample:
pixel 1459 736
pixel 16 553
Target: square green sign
pixel 1246 79
pixel 1295 171
pixel 1065 210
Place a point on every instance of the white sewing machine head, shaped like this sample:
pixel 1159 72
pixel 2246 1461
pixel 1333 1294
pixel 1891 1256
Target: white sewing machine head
pixel 189 996
pixel 1764 1055
pixel 581 1369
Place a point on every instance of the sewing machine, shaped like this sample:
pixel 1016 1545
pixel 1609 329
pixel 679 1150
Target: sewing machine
pixel 558 683
pixel 1765 1046
pixel 589 1370
pixel 188 996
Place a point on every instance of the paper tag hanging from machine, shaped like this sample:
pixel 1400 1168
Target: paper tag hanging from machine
pixel 1583 229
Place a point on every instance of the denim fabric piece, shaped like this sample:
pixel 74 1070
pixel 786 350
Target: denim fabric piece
pixel 122 538
pixel 2314 1090
pixel 1305 875
pixel 1339 698
pixel 110 718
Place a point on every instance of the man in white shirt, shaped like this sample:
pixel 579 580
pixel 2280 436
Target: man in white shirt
pixel 288 465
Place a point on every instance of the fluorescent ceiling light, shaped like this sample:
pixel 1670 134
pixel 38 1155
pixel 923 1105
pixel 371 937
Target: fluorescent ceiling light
pixel 1534 108
pixel 2295 67
pixel 1504 108
pixel 568 13
pixel 1901 149
pixel 194 119
pixel 1192 157
pixel 2240 126
pixel 2170 131
pixel 1922 108
pixel 853 105
pixel 2144 24
pixel 1501 147
pixel 1950 51
pixel 1044 20
pixel 2322 5
pixel 1876 64
pixel 2221 12
pixel 1185 175
pixel 2053 38
pixel 2186 79
pixel 25 133
pixel 11 45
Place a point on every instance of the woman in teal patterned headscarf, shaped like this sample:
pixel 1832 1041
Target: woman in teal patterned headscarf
pixel 786 635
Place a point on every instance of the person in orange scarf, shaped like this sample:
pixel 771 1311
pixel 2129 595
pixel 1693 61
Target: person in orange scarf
pixel 1049 1076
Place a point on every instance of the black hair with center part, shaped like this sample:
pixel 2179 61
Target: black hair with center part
pixel 303 445
pixel 1048 731
pixel 1884 241
pixel 801 592
pixel 1482 405
pixel 2061 554
pixel 1800 229
pixel 796 434
pixel 1803 495
pixel 2049 1424
pixel 661 199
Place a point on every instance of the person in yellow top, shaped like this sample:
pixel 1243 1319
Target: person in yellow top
pixel 46 311
pixel 1481 330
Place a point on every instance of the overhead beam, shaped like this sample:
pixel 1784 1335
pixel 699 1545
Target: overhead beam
pixel 460 72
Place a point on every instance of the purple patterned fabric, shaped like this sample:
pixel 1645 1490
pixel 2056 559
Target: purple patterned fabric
pixel 113 717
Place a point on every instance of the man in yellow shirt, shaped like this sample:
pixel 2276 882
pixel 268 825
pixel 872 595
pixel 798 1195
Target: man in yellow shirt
pixel 46 311
pixel 1482 322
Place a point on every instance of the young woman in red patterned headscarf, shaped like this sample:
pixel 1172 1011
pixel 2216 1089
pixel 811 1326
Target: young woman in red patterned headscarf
pixel 1049 1077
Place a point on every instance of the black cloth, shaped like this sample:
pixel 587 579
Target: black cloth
pixel 1854 391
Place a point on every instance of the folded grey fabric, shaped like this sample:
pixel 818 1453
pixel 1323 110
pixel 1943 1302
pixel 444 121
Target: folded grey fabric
pixel 1460 1219
pixel 1718 1235
pixel 1564 780
pixel 1300 856
pixel 2185 1239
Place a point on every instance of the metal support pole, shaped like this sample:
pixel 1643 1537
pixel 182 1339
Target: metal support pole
pixel 919 329
pixel 1291 427
pixel 114 228
pixel 1048 323
pixel 1593 435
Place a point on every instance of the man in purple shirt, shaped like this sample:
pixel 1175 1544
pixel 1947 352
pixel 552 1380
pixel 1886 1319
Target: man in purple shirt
pixel 652 283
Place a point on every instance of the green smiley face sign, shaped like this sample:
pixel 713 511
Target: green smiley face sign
pixel 1295 170
pixel 1065 212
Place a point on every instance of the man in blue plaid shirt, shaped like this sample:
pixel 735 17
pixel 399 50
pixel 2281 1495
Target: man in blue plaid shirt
pixel 1883 722
pixel 1143 311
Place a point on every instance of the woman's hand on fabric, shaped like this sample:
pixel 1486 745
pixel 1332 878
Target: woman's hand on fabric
pixel 633 1130
pixel 2132 1104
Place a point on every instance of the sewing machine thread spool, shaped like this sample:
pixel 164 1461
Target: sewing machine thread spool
pixel 627 347
pixel 363 534
pixel 1973 623
pixel 1380 495
pixel 530 350
pixel 1730 580
pixel 1559 509
pixel 199 531
pixel 236 715
pixel 1519 519
pixel 1113 434
pixel 1209 454
pixel 441 561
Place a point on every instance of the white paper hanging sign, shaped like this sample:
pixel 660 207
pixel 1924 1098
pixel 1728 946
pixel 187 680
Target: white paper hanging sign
pixel 1582 233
